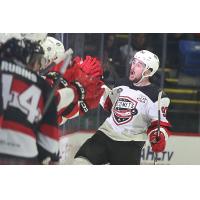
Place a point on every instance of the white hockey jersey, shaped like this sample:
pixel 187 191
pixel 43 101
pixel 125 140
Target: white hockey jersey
pixel 133 110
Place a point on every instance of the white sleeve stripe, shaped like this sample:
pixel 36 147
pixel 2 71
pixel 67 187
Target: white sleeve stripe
pixel 66 97
pixel 105 95
pixel 161 130
pixel 164 132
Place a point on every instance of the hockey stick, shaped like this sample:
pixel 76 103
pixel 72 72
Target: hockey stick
pixel 159 99
pixel 61 72
pixel 67 60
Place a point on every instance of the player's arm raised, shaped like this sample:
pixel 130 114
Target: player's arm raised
pixel 82 89
pixel 159 130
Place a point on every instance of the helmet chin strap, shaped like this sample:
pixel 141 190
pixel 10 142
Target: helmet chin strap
pixel 142 78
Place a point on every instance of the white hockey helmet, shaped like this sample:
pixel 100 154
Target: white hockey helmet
pixel 150 60
pixel 59 47
pixel 4 37
pixel 53 49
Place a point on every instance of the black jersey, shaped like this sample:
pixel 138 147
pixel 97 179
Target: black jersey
pixel 25 131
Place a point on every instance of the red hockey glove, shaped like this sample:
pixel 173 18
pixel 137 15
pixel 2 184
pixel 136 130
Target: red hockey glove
pixel 158 142
pixel 93 94
pixel 89 89
pixel 73 71
pixel 92 67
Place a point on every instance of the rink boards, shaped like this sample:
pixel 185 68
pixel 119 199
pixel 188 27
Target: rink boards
pixel 181 149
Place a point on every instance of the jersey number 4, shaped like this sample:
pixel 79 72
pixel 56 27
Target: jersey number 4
pixel 27 101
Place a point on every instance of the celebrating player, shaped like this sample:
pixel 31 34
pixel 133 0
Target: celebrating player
pixel 133 120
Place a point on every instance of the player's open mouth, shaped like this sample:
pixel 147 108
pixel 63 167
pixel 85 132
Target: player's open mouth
pixel 132 73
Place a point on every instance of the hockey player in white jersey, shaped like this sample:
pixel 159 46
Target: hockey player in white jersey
pixel 133 119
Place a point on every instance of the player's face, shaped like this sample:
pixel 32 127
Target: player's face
pixel 137 67
pixel 38 64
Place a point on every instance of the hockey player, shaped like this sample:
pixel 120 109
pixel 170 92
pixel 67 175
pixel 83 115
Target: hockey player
pixel 84 78
pixel 27 134
pixel 133 119
pixel 80 88
pixel 54 52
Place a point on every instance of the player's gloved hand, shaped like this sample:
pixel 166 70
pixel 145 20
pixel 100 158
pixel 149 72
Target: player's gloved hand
pixel 89 89
pixel 52 75
pixel 52 78
pixel 73 71
pixel 92 67
pixel 93 98
pixel 89 66
pixel 158 142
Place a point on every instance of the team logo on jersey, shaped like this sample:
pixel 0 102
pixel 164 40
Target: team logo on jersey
pixel 124 110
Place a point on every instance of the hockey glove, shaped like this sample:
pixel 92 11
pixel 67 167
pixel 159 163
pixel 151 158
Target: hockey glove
pixel 52 78
pixel 90 91
pixel 92 67
pixel 158 142
pixel 81 92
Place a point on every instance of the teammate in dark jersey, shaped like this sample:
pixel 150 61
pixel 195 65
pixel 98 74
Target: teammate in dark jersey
pixel 27 134
pixel 133 120
pixel 80 86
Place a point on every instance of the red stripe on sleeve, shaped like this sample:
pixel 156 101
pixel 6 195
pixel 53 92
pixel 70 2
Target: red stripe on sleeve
pixel 50 131
pixel 155 128
pixel 18 127
pixel 108 104
pixel 165 124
